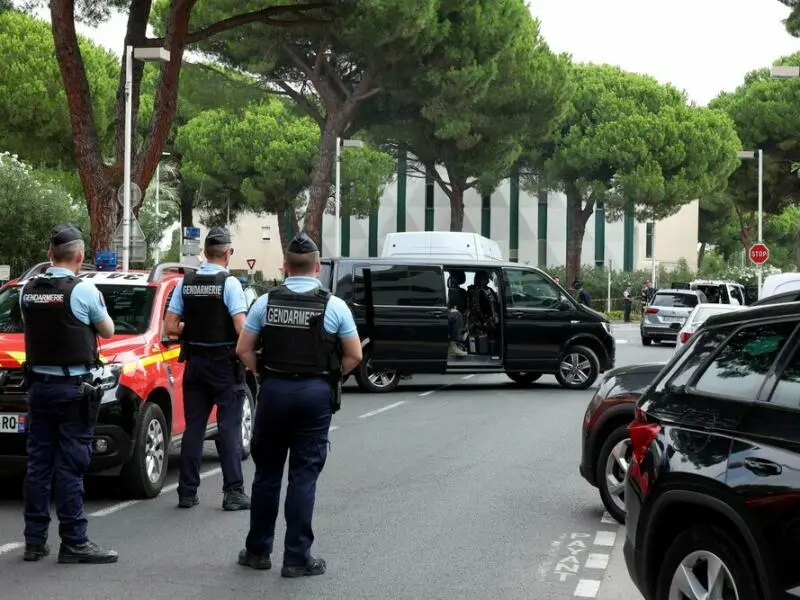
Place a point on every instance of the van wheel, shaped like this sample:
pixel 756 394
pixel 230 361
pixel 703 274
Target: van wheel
pixel 646 341
pixel 578 368
pixel 145 473
pixel 375 382
pixel 713 559
pixel 524 379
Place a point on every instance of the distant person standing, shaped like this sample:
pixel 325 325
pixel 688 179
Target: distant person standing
pixel 627 301
pixel 583 296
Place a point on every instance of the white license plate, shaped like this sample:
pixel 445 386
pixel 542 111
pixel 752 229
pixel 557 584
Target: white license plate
pixel 674 319
pixel 12 423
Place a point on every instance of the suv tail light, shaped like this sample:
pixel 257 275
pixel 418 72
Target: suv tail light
pixel 685 335
pixel 650 310
pixel 642 434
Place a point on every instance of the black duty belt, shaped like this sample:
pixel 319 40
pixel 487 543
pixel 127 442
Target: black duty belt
pixel 211 351
pixel 47 378
pixel 292 376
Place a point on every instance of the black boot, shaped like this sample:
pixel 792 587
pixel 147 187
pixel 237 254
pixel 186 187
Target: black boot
pixel 188 501
pixel 86 553
pixel 34 552
pixel 314 566
pixel 254 561
pixel 235 500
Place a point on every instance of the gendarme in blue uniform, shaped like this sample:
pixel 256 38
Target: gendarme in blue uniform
pixel 293 415
pixel 207 301
pixel 61 348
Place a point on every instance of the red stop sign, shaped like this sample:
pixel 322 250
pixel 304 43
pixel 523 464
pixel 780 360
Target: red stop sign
pixel 759 253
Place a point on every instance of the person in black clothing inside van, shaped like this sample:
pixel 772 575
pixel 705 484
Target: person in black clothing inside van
pixel 456 309
pixel 483 310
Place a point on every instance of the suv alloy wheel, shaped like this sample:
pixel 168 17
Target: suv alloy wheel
pixel 373 381
pixel 705 561
pixel 611 467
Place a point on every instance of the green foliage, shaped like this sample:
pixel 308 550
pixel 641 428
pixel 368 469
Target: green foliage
pixel 34 116
pixel 766 117
pixel 263 158
pixel 628 138
pixel 29 208
pixel 792 22
pixel 489 86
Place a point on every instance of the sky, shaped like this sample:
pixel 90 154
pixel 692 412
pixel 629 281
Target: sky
pixel 700 46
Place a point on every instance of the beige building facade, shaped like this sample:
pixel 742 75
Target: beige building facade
pixel 530 228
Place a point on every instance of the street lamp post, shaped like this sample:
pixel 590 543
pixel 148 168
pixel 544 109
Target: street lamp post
pixel 145 55
pixel 750 155
pixel 340 143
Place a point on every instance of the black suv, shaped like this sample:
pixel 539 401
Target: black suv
pixel 402 308
pixel 713 489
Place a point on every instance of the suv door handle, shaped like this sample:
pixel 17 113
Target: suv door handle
pixel 516 313
pixel 435 313
pixel 763 467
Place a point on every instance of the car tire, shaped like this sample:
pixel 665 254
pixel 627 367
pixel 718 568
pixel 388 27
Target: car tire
pixel 524 379
pixel 608 467
pixel 646 341
pixel 372 382
pixel 145 473
pixel 578 359
pixel 693 547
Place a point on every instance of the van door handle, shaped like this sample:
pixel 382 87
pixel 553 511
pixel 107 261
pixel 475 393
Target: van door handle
pixel 762 467
pixel 435 313
pixel 516 313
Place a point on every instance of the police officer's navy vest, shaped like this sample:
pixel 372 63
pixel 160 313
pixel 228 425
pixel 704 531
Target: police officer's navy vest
pixel 293 339
pixel 53 335
pixel 206 318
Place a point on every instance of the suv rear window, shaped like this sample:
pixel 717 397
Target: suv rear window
pixel 675 300
pixel 129 306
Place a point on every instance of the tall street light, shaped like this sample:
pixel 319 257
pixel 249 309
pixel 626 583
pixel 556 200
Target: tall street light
pixel 340 143
pixel 145 55
pixel 750 155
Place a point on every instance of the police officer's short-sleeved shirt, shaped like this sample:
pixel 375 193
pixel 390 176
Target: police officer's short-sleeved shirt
pixel 232 295
pixel 338 320
pixel 86 304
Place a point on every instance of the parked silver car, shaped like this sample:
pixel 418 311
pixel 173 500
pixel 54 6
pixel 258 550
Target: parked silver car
pixel 666 313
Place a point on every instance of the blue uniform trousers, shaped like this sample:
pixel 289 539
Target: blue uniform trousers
pixel 208 381
pixel 293 417
pixel 58 442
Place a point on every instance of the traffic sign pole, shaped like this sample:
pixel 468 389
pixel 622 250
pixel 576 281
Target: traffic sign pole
pixel 761 215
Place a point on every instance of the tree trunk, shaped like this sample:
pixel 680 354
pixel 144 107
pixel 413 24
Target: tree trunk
pixel 456 208
pixel 578 211
pixel 701 254
pixel 287 217
pixel 101 182
pixel 321 177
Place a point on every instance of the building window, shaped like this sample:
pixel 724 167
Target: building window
pixel 265 233
pixel 648 241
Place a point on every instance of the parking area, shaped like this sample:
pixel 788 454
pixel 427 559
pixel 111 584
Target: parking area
pixel 456 487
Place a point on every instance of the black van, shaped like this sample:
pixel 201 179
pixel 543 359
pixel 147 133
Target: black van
pixel 401 309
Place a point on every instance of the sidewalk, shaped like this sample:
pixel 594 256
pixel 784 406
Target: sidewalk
pixel 617 584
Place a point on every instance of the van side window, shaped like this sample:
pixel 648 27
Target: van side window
pixel 401 286
pixel 529 289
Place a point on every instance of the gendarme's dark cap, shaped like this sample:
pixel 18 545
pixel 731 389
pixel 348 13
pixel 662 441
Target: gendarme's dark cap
pixel 217 236
pixel 64 234
pixel 302 244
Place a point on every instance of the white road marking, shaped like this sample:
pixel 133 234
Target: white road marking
pixel 587 588
pixel 597 561
pixel 333 428
pixel 605 538
pixel 608 519
pixel 444 387
pixel 6 548
pixel 378 411
pixel 110 510
pixel 622 341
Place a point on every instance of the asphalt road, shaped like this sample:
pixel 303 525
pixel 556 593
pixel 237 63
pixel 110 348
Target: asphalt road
pixel 449 488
